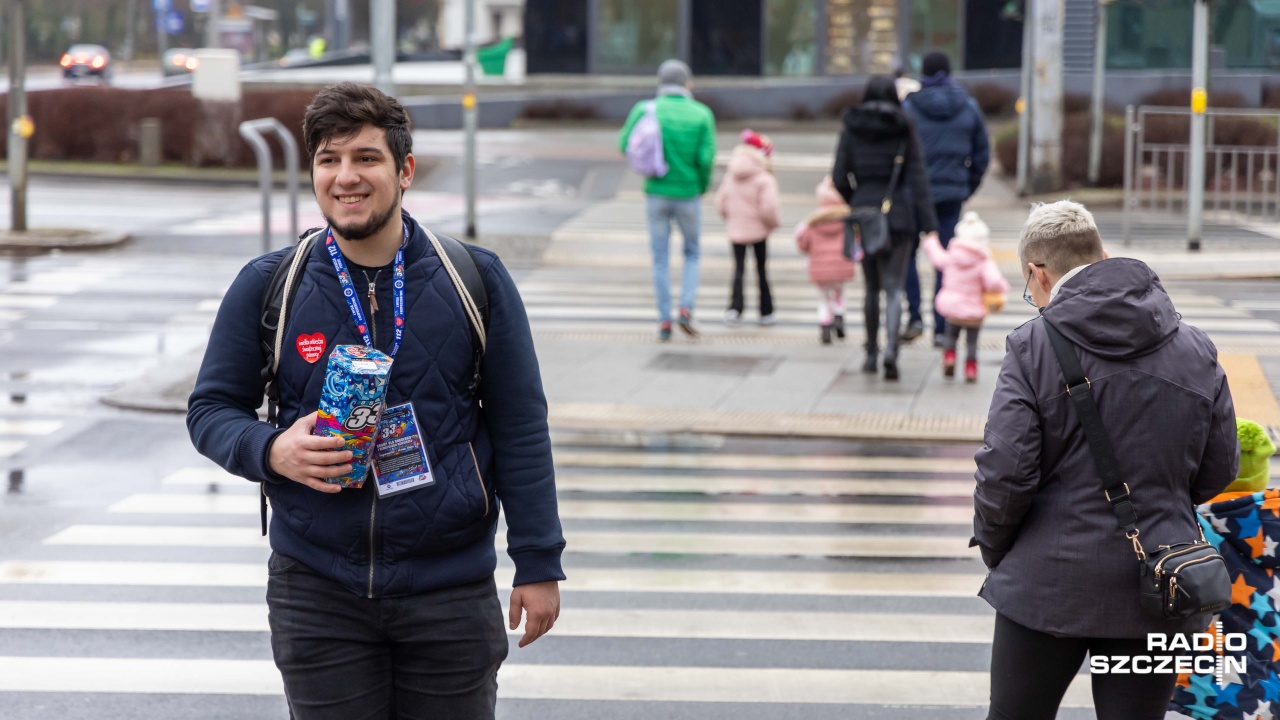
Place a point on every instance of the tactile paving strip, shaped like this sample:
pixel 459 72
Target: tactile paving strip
pixel 870 426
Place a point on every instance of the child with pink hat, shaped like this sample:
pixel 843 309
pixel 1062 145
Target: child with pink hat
pixel 748 202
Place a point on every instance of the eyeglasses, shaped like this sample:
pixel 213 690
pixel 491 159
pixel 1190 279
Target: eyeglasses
pixel 1026 291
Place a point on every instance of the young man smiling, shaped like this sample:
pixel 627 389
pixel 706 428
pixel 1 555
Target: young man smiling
pixel 384 605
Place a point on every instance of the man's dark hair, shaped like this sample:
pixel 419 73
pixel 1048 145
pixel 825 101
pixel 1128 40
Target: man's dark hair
pixel 339 111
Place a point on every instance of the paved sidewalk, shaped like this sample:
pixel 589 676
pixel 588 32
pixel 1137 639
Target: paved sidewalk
pixel 592 312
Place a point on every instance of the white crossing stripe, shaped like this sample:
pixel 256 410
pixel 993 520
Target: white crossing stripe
pixel 610 510
pixel 149 574
pixel 188 504
pixel 845 546
pixel 695 484
pixel 28 302
pixel 539 682
pixel 712 485
pixel 767 512
pixel 31 428
pixel 9 448
pixel 10 316
pixel 577 622
pixel 206 476
pixel 209 306
pixel 775 463
pixel 871 546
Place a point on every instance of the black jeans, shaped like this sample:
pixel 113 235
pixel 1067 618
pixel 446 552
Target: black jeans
pixel 948 214
pixel 885 271
pixel 433 656
pixel 1030 672
pixel 737 302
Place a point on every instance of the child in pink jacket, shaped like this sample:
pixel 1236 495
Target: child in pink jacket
pixel 821 237
pixel 748 202
pixel 968 272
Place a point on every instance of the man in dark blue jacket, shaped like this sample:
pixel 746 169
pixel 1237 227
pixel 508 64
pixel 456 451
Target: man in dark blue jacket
pixel 957 150
pixel 384 605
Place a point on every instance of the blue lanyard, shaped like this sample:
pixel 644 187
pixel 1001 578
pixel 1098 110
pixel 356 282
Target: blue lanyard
pixel 353 302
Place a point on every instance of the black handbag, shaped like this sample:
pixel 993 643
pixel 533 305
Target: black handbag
pixel 1177 581
pixel 869 226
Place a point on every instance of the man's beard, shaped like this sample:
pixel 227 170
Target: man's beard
pixel 369 228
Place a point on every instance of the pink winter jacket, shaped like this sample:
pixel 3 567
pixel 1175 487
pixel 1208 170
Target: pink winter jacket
pixel 967 272
pixel 748 197
pixel 821 237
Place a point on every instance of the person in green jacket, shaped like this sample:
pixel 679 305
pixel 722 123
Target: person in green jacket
pixel 689 147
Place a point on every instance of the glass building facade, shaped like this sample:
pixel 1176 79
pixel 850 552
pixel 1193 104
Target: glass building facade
pixel 770 38
pixel 1156 34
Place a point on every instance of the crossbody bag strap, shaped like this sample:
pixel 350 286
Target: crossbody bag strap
pixel 898 161
pixel 1080 391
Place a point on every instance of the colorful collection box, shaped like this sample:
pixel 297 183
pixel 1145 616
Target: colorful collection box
pixel 355 388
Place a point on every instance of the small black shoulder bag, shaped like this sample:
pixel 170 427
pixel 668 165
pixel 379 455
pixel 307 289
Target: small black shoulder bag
pixel 1177 581
pixel 869 226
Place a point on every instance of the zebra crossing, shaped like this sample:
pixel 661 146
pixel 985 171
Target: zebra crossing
pixel 728 577
pixel 596 281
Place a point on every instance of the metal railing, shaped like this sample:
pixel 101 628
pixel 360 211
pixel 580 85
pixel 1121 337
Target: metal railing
pixel 1242 180
pixel 252 131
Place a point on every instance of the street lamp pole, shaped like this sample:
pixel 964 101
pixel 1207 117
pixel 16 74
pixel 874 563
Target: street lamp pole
pixel 1099 92
pixel 20 127
pixel 211 39
pixel 383 22
pixel 469 118
pixel 1199 102
pixel 1024 102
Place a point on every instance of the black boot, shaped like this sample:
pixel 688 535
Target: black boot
pixel 890 368
pixel 869 365
pixel 840 327
pixel 826 334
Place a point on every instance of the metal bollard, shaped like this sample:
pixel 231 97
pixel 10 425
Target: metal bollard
pixel 149 142
pixel 252 131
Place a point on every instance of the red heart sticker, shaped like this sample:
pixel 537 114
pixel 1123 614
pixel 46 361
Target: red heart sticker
pixel 311 347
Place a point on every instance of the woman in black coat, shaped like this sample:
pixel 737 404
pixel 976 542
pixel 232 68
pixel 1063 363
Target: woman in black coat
pixel 873 136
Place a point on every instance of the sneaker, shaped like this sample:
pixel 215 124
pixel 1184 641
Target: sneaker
pixel 890 368
pixel 839 327
pixel 826 334
pixel 914 330
pixel 937 341
pixel 686 324
pixel 732 318
pixel 949 364
pixel 971 371
pixel 664 332
pixel 768 320
pixel 869 364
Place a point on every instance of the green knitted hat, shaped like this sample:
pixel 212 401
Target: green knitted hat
pixel 1256 450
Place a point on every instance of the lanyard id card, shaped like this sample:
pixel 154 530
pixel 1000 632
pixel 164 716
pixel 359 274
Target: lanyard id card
pixel 400 456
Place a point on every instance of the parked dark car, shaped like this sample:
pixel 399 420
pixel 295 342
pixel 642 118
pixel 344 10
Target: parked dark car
pixel 82 61
pixel 179 61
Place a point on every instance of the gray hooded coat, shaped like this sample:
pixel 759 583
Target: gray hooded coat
pixel 1059 564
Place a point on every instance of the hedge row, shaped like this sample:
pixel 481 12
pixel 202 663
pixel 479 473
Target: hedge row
pixel 1243 132
pixel 102 124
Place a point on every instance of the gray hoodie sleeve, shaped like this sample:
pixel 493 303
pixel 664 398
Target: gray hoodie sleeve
pixel 1008 471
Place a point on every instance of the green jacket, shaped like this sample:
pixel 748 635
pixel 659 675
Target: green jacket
pixel 688 142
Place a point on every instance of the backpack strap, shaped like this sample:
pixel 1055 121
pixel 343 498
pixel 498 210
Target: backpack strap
pixel 464 272
pixel 281 288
